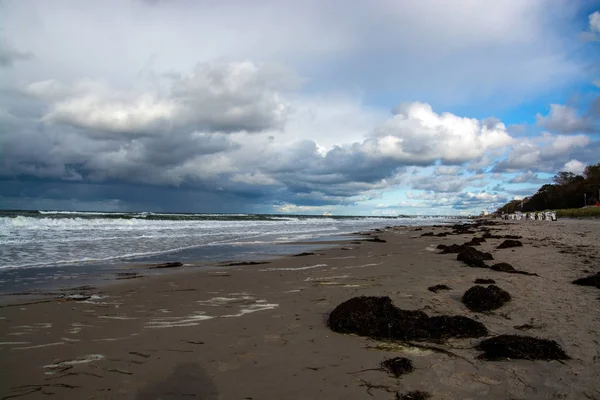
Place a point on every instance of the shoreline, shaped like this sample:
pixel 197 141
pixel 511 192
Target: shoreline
pixel 233 333
pixel 44 279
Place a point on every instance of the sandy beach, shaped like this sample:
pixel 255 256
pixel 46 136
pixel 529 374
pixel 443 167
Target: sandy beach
pixel 259 331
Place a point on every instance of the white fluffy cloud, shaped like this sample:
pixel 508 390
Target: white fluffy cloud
pixel 564 119
pixel 575 167
pixel 418 135
pixel 441 202
pixel 214 97
pixel 545 153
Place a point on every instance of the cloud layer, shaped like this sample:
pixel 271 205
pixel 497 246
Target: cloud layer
pixel 287 106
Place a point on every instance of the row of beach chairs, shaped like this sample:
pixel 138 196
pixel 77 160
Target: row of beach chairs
pixel 541 216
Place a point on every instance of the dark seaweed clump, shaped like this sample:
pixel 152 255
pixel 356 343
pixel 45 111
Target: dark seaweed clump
pixel 593 280
pixel 304 254
pixel 463 229
pixel 488 235
pixel 475 241
pixel 506 347
pixel 378 318
pixel 474 258
pixel 441 234
pixel 398 366
pixel 482 281
pixel 453 248
pixel 510 243
pixel 503 267
pixel 480 298
pixel 506 267
pixel 437 288
pixel 414 395
pixel 175 264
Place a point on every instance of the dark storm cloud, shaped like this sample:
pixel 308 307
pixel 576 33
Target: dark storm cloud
pixel 110 196
pixel 9 55
pixel 528 177
pixel 186 105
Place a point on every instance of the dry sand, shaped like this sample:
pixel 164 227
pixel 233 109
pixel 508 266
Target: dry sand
pixel 259 332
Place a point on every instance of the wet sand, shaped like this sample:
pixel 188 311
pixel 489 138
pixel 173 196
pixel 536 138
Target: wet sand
pixel 259 331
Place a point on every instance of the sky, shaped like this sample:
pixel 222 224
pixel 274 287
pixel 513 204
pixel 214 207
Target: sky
pixel 418 107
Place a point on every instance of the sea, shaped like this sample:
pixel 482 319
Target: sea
pixel 42 247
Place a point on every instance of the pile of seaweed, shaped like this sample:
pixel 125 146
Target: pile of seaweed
pixel 480 298
pixel 474 258
pixel 488 235
pixel 506 267
pixel 476 241
pixel 441 234
pixel 175 264
pixel 453 248
pixel 482 281
pixel 378 318
pixel 505 347
pixel 415 395
pixel 508 243
pixel 397 366
pixel 593 280
pixel 437 288
pixel 376 239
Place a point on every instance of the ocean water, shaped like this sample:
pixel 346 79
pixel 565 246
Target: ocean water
pixel 51 239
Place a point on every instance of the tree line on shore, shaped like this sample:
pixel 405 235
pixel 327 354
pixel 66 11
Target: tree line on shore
pixel 568 191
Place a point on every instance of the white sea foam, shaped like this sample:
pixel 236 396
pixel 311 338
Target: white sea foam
pixel 66 238
pixel 178 322
pixel 83 360
pixel 40 346
pixel 260 305
pixel 295 269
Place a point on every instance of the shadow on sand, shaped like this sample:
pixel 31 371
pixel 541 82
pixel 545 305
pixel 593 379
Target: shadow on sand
pixel 186 381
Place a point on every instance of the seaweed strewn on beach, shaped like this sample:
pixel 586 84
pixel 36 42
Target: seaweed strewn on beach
pixel 503 267
pixel 482 281
pixel 437 288
pixel 168 265
pixel 415 395
pixel 488 235
pixel 397 366
pixel 593 280
pixel 378 318
pixel 474 258
pixel 128 275
pixel 441 234
pixel 453 248
pixel 506 347
pixel 480 298
pixel 304 254
pixel 475 241
pixel 506 267
pixel 243 263
pixel 508 243
pixel 464 229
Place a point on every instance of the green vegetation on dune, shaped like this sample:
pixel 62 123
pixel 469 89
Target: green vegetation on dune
pixel 568 193
pixel 588 212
